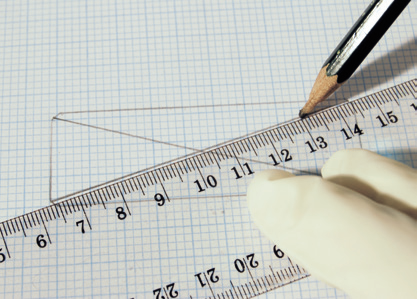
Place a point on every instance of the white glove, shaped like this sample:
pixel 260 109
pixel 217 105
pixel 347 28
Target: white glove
pixel 355 228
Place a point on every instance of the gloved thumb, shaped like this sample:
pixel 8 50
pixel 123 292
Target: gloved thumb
pixel 338 235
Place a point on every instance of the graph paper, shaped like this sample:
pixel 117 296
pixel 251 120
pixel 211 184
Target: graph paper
pixel 198 73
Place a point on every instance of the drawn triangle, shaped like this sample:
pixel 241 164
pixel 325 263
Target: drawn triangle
pixel 92 147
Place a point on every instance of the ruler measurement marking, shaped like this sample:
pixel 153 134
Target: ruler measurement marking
pixel 201 161
pixel 93 196
pixel 101 199
pixel 140 186
pixel 204 160
pixel 127 207
pixel 5 229
pixel 405 89
pixel 243 288
pixel 152 178
pixel 283 133
pixel 215 159
pixel 263 281
pixel 328 118
pixel 409 88
pixel 33 219
pixel 219 153
pixel 52 210
pixel 23 229
pixel 47 233
pixel 307 123
pixel 303 125
pixel 85 202
pixel 314 121
pixel 177 172
pixel 88 221
pixel 25 222
pixel 224 153
pixel 182 167
pixel 88 196
pixel 383 114
pixel 143 181
pixel 68 205
pixel 244 146
pixel 362 105
pixel 157 176
pixel 76 203
pixel 81 200
pixel 4 242
pixel 111 193
pixel 60 207
pixel 299 126
pixel 298 129
pixel 233 287
pixel 166 172
pixel 377 100
pixel 115 189
pixel 134 183
pixel 357 109
pixel 171 171
pixel 11 222
pixel 237 144
pixel 256 141
pixel 188 166
pixel 208 283
pixel 37 218
pixel 401 90
pixel 123 187
pixel 368 100
pixel 288 134
pixel 46 217
pixel 321 121
pixel 273 274
pixel 292 130
pixel 250 273
pixel 271 137
pixel 253 145
pixel 344 111
pixel 263 140
pixel 166 194
pixel 349 109
pixel 27 217
pixel 166 292
pixel 335 115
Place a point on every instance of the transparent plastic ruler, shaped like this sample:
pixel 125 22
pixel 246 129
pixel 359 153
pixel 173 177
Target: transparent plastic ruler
pixel 182 229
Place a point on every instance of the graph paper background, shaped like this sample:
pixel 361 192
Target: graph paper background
pixel 204 60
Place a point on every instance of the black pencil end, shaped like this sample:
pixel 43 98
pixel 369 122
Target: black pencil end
pixel 302 114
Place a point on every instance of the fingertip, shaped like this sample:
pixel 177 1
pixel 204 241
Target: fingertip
pixel 259 184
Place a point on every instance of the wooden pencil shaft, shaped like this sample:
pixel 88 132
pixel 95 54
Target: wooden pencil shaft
pixel 362 37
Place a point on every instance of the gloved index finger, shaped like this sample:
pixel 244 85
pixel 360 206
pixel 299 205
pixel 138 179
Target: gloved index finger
pixel 381 179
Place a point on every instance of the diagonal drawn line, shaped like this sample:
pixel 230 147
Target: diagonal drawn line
pixel 126 134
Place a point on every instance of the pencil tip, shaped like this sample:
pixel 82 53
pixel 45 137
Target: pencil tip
pixel 302 114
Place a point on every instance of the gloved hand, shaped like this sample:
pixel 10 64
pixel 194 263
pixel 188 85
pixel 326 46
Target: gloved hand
pixel 354 228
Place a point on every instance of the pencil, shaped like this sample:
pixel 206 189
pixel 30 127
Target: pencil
pixel 353 49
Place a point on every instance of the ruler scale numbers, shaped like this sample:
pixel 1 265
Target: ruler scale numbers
pixel 182 229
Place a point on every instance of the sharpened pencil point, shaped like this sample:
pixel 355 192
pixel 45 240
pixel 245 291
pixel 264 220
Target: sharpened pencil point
pixel 323 87
pixel 302 114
